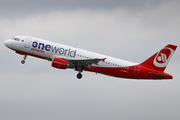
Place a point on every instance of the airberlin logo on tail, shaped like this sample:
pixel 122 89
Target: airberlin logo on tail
pixel 162 57
pixel 40 47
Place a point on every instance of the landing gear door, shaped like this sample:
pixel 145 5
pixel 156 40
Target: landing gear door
pixel 27 43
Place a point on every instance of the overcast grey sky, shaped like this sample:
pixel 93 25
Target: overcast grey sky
pixel 27 6
pixel 129 30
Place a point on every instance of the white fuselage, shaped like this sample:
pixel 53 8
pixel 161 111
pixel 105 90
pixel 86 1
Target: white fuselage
pixel 47 49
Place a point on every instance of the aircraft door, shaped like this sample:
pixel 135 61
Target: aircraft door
pixel 136 70
pixel 27 43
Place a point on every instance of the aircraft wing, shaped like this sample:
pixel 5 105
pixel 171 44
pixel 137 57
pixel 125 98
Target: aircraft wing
pixel 83 62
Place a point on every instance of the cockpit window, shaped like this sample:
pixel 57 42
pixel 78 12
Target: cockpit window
pixel 17 39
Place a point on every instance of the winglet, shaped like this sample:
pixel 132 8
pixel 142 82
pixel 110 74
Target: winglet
pixel 103 59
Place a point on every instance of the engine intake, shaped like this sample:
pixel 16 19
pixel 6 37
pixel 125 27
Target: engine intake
pixel 59 63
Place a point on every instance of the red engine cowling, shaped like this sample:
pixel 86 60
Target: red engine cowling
pixel 59 63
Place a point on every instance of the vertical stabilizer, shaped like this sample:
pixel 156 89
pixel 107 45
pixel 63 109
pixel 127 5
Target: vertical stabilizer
pixel 160 59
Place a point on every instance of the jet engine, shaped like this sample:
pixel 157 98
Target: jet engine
pixel 59 63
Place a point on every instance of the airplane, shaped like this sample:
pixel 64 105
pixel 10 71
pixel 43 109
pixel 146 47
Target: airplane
pixel 63 57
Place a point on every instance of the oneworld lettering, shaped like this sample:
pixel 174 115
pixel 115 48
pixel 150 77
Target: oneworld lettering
pixel 47 47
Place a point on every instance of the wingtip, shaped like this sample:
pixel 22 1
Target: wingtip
pixel 103 59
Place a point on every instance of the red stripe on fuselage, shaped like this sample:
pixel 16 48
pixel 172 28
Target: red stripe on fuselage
pixel 24 53
pixel 129 72
pixel 122 72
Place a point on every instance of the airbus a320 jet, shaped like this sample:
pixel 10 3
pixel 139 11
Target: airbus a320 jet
pixel 63 57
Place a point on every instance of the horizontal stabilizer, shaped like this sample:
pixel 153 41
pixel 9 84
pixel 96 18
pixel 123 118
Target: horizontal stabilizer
pixel 158 74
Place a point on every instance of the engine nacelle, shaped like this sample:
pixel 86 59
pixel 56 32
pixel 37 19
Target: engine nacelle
pixel 59 63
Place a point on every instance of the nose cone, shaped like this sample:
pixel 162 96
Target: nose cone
pixel 8 43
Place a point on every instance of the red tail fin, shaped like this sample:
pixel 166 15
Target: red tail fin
pixel 160 59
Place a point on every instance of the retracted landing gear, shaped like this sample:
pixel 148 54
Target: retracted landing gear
pixel 23 61
pixel 79 75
